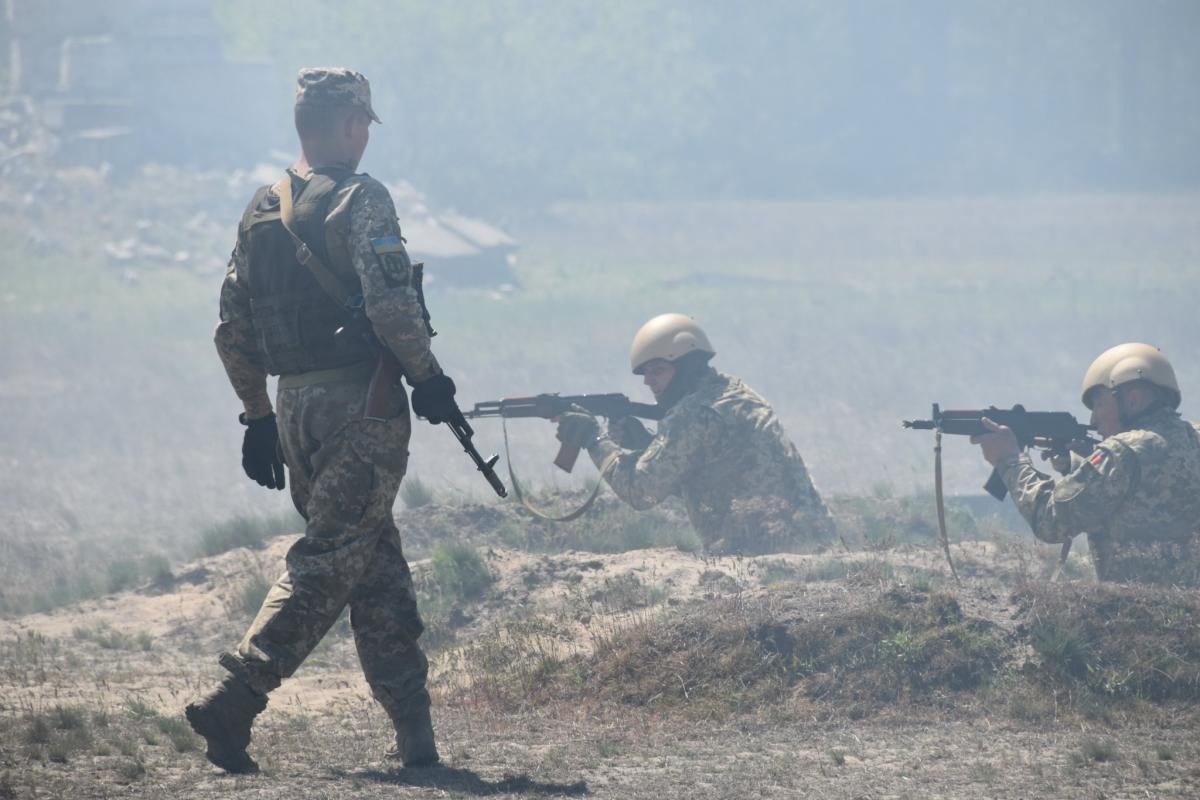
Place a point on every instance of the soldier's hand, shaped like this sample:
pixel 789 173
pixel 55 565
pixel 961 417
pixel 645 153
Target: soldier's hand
pixel 998 444
pixel 260 452
pixel 629 432
pixel 578 428
pixel 1059 459
pixel 433 399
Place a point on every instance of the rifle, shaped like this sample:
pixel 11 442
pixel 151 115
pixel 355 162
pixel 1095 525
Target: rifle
pixel 1054 431
pixel 463 431
pixel 549 406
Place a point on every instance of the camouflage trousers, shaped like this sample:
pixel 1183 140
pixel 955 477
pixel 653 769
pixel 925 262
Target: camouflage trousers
pixel 345 473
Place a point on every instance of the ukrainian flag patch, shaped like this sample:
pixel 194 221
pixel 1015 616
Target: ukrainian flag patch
pixel 387 244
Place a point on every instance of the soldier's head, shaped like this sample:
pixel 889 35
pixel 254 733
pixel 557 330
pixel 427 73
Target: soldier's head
pixel 665 346
pixel 333 115
pixel 1126 382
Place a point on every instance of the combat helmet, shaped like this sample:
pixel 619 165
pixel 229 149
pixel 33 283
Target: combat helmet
pixel 1125 363
pixel 667 336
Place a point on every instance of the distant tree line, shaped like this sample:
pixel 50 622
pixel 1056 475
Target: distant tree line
pixel 530 101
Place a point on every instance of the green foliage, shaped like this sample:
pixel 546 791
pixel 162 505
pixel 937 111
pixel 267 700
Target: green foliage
pixel 68 718
pixel 179 732
pixel 1115 642
pixel 415 493
pixel 459 571
pixel 245 531
pixel 139 708
pixel 109 638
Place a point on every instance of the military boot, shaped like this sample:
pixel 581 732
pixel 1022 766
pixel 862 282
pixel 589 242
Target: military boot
pixel 223 717
pixel 414 740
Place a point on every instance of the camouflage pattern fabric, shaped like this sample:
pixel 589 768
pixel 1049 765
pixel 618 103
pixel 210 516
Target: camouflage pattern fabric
pixel 345 472
pixel 334 86
pixel 1137 497
pixel 362 215
pixel 723 451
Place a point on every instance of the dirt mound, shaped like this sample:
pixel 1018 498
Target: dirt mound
pixel 739 654
pixel 1115 641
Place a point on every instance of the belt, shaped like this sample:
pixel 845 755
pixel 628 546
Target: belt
pixel 336 375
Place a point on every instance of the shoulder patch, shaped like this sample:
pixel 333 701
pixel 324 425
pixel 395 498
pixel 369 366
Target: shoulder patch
pixel 387 244
pixel 1099 457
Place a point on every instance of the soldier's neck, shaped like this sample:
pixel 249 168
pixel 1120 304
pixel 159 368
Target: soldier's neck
pixel 318 158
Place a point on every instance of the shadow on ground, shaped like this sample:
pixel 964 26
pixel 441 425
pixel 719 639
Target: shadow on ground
pixel 468 782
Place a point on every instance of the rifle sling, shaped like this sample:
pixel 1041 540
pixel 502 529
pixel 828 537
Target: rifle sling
pixel 940 500
pixel 332 285
pixel 537 512
pixel 387 371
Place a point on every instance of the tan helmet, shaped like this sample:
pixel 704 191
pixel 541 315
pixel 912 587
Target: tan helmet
pixel 1130 362
pixel 667 336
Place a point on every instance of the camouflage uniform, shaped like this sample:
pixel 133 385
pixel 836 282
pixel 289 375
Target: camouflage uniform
pixel 1137 497
pixel 345 469
pixel 723 451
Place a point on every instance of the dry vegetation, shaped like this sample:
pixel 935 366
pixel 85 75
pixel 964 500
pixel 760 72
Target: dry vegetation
pixel 617 672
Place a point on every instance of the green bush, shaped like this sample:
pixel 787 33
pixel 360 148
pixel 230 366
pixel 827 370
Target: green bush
pixel 251 532
pixel 416 493
pixel 460 572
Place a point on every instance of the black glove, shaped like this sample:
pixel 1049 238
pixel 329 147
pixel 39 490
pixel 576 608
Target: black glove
pixel 630 433
pixel 260 452
pixel 577 428
pixel 433 399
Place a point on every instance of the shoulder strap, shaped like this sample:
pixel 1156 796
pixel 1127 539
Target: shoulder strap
pixel 332 285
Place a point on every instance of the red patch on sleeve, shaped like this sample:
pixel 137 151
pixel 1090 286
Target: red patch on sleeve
pixel 1098 458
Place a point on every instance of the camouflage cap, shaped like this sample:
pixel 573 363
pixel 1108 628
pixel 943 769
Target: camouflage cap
pixel 334 86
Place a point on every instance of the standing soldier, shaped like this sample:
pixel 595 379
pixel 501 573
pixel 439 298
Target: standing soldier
pixel 320 291
pixel 719 447
pixel 1137 496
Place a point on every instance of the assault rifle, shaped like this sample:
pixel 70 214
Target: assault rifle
pixel 1054 431
pixel 549 406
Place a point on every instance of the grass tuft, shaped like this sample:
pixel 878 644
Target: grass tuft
pixel 1097 750
pixel 246 531
pixel 416 493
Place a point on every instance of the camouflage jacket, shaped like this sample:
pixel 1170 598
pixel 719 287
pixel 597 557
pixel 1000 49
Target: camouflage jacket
pixel 723 451
pixel 1137 497
pixel 361 217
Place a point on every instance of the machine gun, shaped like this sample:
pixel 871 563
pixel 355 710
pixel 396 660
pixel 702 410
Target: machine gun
pixel 1054 431
pixel 549 406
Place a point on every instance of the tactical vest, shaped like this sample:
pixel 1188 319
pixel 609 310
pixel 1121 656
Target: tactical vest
pixel 294 317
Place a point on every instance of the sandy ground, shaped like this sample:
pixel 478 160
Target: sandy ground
pixel 322 737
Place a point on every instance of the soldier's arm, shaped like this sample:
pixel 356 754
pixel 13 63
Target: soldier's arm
pixel 237 342
pixel 644 478
pixel 1083 500
pixel 383 266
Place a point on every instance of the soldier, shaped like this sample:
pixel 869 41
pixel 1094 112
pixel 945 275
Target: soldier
pixel 719 447
pixel 1137 495
pixel 343 423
